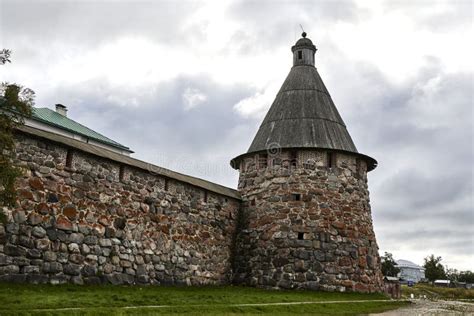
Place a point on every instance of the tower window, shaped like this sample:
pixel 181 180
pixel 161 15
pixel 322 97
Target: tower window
pixel 276 161
pixel 263 160
pixel 300 54
pixel 293 158
pixel 300 236
pixel 331 160
pixel 296 197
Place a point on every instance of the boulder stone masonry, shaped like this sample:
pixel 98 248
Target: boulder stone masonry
pixel 305 225
pixel 83 224
pixel 301 225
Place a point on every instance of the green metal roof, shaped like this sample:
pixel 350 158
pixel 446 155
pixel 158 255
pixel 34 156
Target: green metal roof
pixel 55 119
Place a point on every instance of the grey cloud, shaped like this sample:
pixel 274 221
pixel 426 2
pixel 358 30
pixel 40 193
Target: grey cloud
pixel 445 239
pixel 258 12
pixel 199 141
pixel 456 217
pixel 454 14
pixel 93 22
pixel 267 24
pixel 422 192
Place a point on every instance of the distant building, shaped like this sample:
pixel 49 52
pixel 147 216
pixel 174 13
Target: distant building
pixel 410 271
pixel 442 283
pixel 57 122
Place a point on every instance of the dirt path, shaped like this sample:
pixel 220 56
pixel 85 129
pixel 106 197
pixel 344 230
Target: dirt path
pixel 226 305
pixel 429 307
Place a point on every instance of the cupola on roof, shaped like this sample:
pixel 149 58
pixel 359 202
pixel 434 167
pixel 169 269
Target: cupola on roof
pixel 304 43
pixel 303 114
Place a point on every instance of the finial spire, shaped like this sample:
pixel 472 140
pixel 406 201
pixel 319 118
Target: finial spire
pixel 304 33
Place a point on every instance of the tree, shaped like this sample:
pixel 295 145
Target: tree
pixel 434 270
pixel 5 56
pixel 452 274
pixel 466 276
pixel 15 105
pixel 389 267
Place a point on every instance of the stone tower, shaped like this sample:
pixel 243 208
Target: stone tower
pixel 306 220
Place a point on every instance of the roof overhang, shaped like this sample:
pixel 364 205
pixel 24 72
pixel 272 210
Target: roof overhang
pixel 60 127
pixel 371 162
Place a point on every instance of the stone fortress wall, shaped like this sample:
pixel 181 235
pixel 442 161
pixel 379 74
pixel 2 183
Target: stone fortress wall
pixel 306 222
pixel 302 220
pixel 82 218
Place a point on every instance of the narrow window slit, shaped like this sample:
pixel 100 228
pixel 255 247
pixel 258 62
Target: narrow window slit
pixel 69 155
pixel 293 158
pixel 205 196
pixel 276 162
pixel 358 167
pixel 300 54
pixel 121 172
pixel 166 184
pixel 263 161
pixel 331 160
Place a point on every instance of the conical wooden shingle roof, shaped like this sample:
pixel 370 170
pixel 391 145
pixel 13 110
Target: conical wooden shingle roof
pixel 303 114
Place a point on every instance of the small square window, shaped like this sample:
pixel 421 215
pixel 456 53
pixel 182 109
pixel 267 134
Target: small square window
pixel 300 236
pixel 296 197
pixel 252 202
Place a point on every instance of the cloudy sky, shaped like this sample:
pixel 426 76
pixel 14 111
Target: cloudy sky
pixel 186 85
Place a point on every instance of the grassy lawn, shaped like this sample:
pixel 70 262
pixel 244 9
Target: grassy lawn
pixel 116 300
pixel 433 292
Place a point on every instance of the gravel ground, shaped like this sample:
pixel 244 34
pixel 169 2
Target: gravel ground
pixel 432 307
